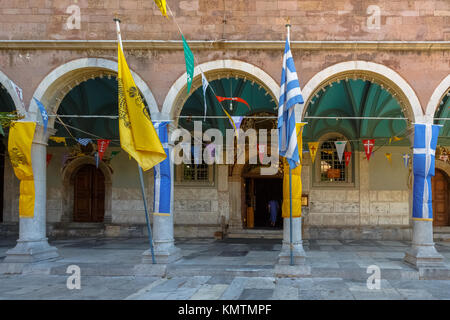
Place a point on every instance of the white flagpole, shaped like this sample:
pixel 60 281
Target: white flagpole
pixel 141 175
pixel 288 26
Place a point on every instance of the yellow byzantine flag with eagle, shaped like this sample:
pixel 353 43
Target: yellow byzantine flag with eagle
pixel 138 137
pixel 296 181
pixel 19 148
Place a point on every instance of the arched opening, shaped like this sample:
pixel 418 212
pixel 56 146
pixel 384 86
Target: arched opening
pixel 441 206
pixel 89 194
pixel 6 105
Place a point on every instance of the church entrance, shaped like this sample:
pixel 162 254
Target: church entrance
pixel 440 190
pixel 89 196
pixel 259 191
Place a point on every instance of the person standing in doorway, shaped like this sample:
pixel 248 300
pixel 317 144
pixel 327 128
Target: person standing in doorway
pixel 273 210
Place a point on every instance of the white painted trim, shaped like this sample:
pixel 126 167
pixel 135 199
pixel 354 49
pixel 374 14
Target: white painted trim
pixel 380 69
pixel 168 106
pixel 5 81
pixel 80 64
pixel 433 103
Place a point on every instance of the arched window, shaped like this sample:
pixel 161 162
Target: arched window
pixel 328 168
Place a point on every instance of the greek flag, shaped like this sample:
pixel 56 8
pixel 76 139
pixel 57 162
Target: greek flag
pixel 163 181
pixel 290 95
pixel 425 140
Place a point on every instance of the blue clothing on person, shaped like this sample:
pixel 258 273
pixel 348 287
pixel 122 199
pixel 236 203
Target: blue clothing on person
pixel 273 209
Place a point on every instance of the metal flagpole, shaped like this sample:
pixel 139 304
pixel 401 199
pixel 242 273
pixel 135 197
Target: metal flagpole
pixel 149 229
pixel 141 175
pixel 288 25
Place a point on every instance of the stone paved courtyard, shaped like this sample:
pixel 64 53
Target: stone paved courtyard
pixel 231 269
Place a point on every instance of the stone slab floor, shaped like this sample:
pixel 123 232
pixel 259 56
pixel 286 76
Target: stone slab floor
pixel 232 269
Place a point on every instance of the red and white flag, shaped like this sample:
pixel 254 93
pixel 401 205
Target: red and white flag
pixel 348 156
pixel 102 144
pixel 261 152
pixel 368 147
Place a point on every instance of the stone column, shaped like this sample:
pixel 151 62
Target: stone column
pixel 32 245
pixel 297 244
pixel 422 252
pixel 163 240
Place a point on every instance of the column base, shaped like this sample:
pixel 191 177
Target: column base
pixel 299 256
pixel 28 251
pixel 162 256
pixel 422 256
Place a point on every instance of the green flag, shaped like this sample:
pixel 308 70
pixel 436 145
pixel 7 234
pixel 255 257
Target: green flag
pixel 113 154
pixel 1 130
pixel 189 57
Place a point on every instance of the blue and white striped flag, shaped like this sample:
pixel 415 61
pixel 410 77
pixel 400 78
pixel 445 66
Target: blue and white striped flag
pixel 425 141
pixel 290 95
pixel 163 181
pixel 84 141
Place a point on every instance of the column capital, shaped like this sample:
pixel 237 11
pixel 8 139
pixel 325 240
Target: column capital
pixel 41 137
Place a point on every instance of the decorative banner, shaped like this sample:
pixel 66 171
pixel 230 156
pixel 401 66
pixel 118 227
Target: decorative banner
pixel 296 180
pixel 84 141
pixel 1 130
pixel 233 99
pixel 313 146
pixel 425 140
pixel 237 121
pixel 102 144
pixel 389 157
pixel 19 148
pixel 395 138
pixel 406 159
pixel 43 113
pixel 162 6
pixel 189 59
pixel 59 140
pixel 162 176
pixel 368 147
pixel 340 147
pixel 261 151
pixel 348 156
pixel 19 92
pixel 49 158
pixel 205 85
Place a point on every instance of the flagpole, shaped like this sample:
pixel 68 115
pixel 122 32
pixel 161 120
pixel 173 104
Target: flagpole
pixel 141 175
pixel 288 26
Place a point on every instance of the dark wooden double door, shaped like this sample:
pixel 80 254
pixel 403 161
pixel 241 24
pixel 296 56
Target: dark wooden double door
pixel 441 198
pixel 89 197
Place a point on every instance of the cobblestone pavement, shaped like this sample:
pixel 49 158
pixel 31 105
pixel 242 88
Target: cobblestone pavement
pixel 233 269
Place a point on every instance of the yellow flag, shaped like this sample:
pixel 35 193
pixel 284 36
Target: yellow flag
pixel 296 181
pixel 138 137
pixel 19 148
pixel 162 6
pixel 313 150
pixel 59 140
pixel 388 157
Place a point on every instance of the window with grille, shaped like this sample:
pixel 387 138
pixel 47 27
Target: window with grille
pixel 331 169
pixel 195 171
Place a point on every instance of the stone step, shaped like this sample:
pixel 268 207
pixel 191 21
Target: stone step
pixel 255 234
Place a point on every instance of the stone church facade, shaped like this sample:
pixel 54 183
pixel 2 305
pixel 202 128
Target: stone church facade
pixel 400 48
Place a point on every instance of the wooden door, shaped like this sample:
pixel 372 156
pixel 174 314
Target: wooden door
pixel 440 190
pixel 89 197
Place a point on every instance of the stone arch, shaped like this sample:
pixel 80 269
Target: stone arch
pixel 68 174
pixel 371 71
pixel 177 96
pixel 5 82
pixel 443 166
pixel 436 97
pixel 59 82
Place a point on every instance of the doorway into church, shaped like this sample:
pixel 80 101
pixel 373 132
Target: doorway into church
pixel 259 192
pixel 89 197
